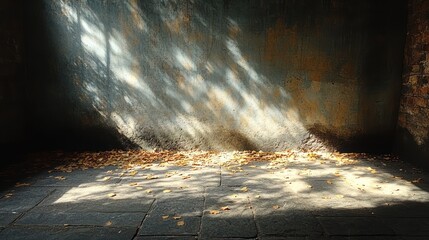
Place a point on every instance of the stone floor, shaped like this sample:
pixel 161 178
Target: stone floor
pixel 306 198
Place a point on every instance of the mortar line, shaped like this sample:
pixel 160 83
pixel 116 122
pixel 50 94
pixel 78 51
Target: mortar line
pixel 254 217
pixel 220 175
pixel 28 210
pixel 144 218
pixel 202 213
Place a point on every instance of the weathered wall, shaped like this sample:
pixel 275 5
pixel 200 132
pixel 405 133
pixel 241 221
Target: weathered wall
pixel 413 123
pixel 12 74
pixel 223 75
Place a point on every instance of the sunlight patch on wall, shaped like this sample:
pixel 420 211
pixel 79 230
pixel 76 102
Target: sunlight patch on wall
pixel 162 82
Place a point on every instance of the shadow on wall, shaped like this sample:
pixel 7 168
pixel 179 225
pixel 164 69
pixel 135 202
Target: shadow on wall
pixel 199 74
pixel 165 78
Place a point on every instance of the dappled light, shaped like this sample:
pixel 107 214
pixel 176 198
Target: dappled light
pixel 178 93
pixel 317 179
pixel 211 119
pixel 223 194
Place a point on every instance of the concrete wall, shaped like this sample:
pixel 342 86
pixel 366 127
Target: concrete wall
pixel 222 75
pixel 413 123
pixel 12 74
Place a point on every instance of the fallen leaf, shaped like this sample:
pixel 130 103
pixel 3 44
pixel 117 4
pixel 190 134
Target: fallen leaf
pixel 8 195
pixel 112 194
pixel 139 188
pixel 150 177
pixel 167 191
pixel 226 208
pixel 177 217
pixel 244 189
pixel 328 181
pixel 19 184
pixel 214 212
pixel 108 223
pixel 258 196
pixel 61 178
pixel 133 184
pixel 106 178
pixel 180 223
pixel 276 207
pixel 133 173
pixel 165 217
pixel 418 180
pixel 148 190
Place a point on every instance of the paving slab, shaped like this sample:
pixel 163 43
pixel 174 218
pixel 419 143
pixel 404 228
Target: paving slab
pixel 7 218
pixel 178 217
pixel 91 219
pixel 185 207
pixel 95 199
pixel 366 237
pixel 230 225
pixel 283 238
pixel 173 176
pixel 413 238
pixel 75 178
pixel 175 225
pixel 259 173
pixel 23 199
pixel 165 238
pixel 67 233
pixel 288 224
pixel 235 222
pixel 409 226
pixel 349 226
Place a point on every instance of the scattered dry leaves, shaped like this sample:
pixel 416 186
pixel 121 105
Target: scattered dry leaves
pixel 20 184
pixel 8 195
pixel 150 177
pixel 214 212
pixel 418 180
pixel 106 179
pixel 226 208
pixel 180 223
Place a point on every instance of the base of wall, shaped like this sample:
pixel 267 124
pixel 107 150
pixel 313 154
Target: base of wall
pixel 410 151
